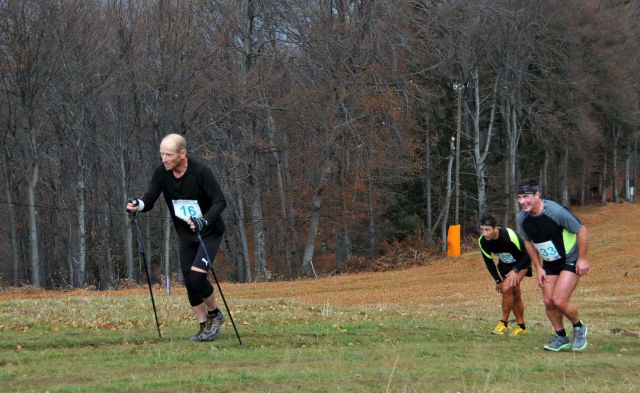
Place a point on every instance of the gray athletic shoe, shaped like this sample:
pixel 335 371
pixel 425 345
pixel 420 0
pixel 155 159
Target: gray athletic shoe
pixel 195 336
pixel 580 338
pixel 557 344
pixel 211 328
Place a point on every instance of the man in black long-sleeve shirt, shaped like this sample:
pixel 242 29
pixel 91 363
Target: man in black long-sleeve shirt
pixel 191 193
pixel 514 263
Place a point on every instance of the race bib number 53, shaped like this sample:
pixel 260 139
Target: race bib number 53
pixel 186 208
pixel 548 251
pixel 506 257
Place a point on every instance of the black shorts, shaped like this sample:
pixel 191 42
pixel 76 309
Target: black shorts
pixel 554 268
pixel 190 253
pixel 505 268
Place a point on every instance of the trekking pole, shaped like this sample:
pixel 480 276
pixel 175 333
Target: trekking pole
pixel 134 220
pixel 206 255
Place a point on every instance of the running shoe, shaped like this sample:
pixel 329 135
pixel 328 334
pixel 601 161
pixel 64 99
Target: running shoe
pixel 195 336
pixel 579 338
pixel 518 331
pixel 211 328
pixel 558 343
pixel 500 329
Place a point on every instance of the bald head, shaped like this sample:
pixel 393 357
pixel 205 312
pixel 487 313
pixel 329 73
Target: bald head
pixel 174 142
pixel 173 152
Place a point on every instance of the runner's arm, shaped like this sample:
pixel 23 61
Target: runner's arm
pixel 523 262
pixel 488 261
pixel 582 266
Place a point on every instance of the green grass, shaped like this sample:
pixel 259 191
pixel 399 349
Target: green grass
pixel 109 344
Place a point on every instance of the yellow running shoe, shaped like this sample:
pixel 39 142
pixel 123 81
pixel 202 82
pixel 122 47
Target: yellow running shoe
pixel 500 329
pixel 518 331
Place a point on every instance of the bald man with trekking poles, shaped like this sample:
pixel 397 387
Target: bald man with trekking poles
pixel 195 202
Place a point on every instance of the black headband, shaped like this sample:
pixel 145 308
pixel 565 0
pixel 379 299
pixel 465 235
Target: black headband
pixel 528 190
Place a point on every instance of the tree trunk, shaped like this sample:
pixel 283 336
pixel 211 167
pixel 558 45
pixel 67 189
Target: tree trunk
pixel 71 260
pixel 34 260
pixel 544 174
pixel 427 191
pixel 603 182
pixel 148 245
pixel 259 253
pixel 564 177
pixel 314 225
pixel 627 173
pixel 166 241
pixel 106 270
pixel 614 164
pixel 343 249
pixel 371 230
pixel 243 267
pixel 583 184
pixel 80 271
pixel 506 111
pixel 635 165
pixel 15 259
pixel 230 256
pixel 507 192
pixel 481 143
pixel 514 140
pixel 287 224
pixel 126 227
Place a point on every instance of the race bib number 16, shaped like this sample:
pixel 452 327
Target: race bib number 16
pixel 548 251
pixel 186 208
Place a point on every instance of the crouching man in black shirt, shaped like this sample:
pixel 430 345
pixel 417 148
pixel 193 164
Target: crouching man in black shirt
pixel 514 263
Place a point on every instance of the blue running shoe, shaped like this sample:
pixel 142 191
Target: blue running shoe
pixel 580 337
pixel 557 344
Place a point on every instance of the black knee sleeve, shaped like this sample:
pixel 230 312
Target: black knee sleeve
pixel 198 287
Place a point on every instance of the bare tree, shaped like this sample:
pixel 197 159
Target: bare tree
pixel 30 66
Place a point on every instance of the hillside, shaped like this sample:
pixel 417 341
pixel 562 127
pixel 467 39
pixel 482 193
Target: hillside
pixel 614 257
pixel 613 254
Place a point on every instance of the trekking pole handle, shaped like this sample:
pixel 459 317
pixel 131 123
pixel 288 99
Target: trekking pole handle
pixel 132 201
pixel 199 223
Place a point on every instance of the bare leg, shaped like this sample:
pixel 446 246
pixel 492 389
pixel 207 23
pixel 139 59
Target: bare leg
pixel 507 304
pixel 566 283
pixel 518 305
pixel 201 312
pixel 553 313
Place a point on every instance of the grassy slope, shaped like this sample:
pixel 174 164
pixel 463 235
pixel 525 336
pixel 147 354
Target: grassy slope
pixel 417 330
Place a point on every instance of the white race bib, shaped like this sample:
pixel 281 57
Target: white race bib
pixel 548 251
pixel 506 257
pixel 186 208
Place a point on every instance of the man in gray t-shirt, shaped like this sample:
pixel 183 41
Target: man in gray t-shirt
pixel 556 236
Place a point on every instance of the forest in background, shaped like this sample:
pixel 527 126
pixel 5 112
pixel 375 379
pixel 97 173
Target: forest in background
pixel 335 127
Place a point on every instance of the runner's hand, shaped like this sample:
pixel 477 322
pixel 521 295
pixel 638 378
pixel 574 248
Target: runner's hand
pixel 582 267
pixel 132 205
pixel 197 224
pixel 511 280
pixel 541 277
pixel 499 287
